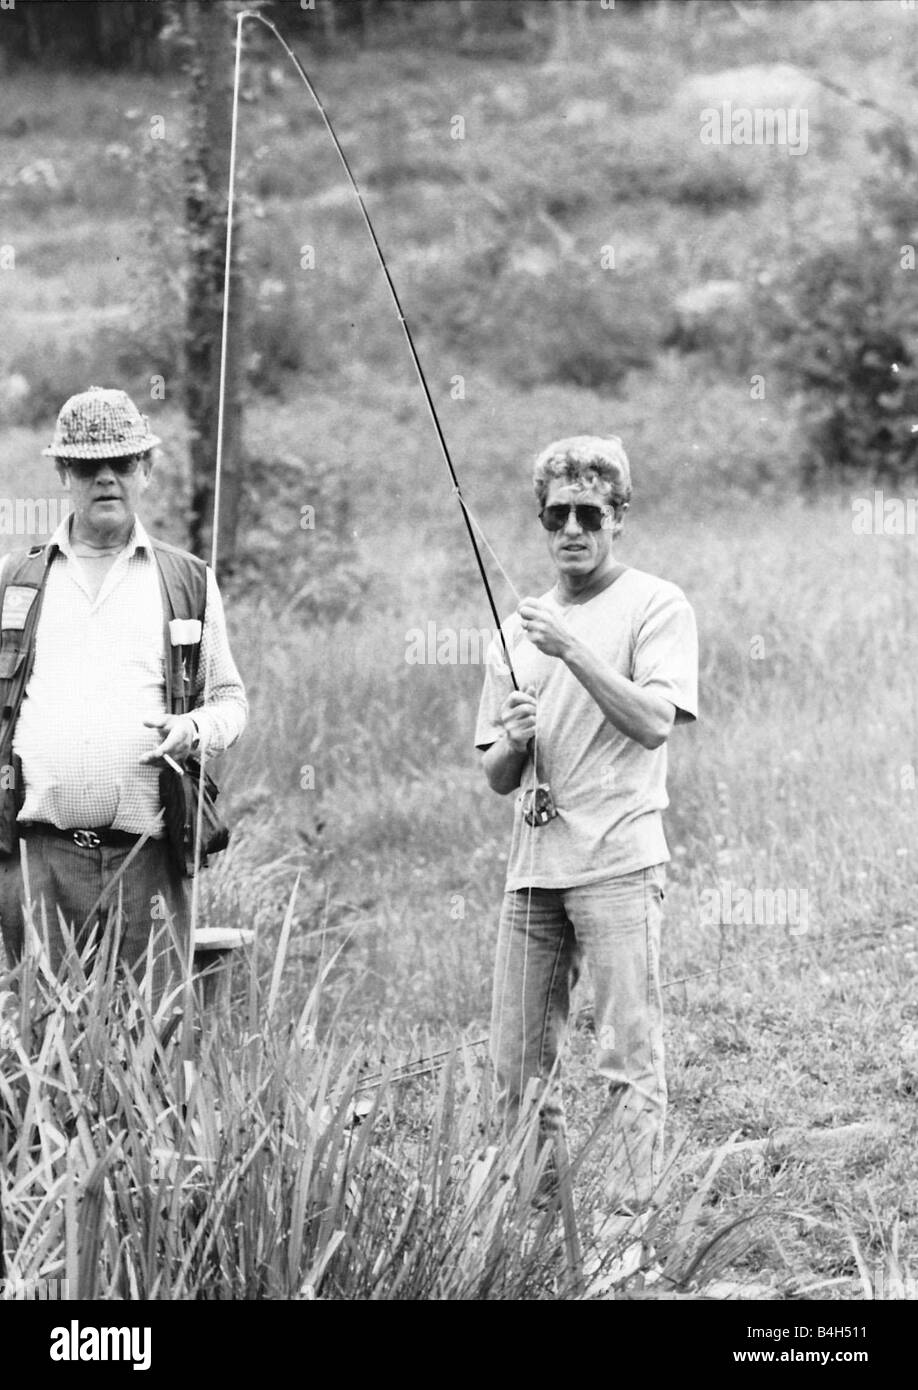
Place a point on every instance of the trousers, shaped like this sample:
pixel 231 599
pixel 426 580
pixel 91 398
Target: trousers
pixel 67 879
pixel 544 936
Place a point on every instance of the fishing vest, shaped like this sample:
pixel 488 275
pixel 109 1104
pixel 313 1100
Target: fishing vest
pixel 183 585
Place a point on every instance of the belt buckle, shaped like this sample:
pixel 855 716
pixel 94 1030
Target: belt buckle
pixel 86 839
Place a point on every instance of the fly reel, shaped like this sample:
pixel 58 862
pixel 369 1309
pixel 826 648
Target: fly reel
pixel 539 805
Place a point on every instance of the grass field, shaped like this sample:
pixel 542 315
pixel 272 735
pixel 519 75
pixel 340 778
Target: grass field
pixel 798 1042
pixel 798 777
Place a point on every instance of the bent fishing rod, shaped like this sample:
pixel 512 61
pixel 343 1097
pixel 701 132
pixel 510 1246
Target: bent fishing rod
pixel 441 438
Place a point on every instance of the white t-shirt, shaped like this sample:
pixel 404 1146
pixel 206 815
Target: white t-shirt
pixel 608 789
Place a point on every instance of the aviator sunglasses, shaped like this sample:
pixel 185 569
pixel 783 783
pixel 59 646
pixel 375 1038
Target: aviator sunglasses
pixel 589 516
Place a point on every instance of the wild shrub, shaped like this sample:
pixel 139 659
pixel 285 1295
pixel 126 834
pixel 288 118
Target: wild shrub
pixel 842 323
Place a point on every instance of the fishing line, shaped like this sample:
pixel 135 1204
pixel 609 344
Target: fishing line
pixel 218 476
pixel 420 1066
pixel 493 553
pixel 441 438
pixel 471 524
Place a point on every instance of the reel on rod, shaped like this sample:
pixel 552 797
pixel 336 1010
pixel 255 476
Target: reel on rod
pixel 539 805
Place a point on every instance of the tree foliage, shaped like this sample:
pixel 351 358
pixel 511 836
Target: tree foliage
pixel 128 33
pixel 123 35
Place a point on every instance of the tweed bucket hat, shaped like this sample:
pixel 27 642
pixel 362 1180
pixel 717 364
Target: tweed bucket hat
pixel 100 424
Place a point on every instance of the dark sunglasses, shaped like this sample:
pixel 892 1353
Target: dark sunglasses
pixel 589 516
pixel 88 468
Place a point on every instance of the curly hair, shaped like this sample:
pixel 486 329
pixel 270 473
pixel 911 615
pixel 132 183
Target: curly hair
pixel 590 459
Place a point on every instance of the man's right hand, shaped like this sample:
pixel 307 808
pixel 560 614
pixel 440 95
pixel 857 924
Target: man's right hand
pixel 518 716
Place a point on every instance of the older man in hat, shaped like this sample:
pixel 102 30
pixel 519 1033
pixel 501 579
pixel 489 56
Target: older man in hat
pixel 113 659
pixel 606 662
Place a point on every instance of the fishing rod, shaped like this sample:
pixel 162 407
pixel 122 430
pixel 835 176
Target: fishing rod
pixel 441 438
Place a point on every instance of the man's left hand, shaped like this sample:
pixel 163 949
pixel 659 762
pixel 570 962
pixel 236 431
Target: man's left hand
pixel 179 734
pixel 544 628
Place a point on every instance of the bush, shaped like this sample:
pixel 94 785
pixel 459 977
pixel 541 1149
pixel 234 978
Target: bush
pixel 55 368
pixel 843 325
pixel 298 540
pixel 576 325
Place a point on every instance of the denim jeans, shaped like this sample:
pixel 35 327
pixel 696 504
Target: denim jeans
pixel 544 935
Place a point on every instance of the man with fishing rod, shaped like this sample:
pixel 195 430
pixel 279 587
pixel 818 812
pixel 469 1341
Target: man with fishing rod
pixel 114 670
pixel 606 664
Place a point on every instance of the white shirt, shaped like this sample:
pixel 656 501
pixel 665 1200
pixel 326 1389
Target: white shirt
pixel 99 672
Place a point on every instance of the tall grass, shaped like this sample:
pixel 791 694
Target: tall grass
pixel 792 777
pixel 799 774
pixel 155 1152
pixel 258 1164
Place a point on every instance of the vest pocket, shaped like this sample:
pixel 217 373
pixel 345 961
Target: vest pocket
pixel 10 663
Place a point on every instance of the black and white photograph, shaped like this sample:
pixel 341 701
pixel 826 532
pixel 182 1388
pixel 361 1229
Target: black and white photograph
pixel 459 665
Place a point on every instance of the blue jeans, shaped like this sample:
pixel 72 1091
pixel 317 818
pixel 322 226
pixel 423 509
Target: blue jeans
pixel 544 935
